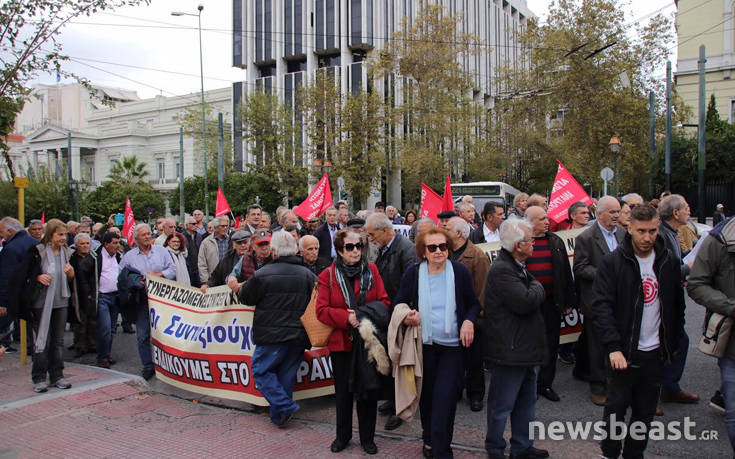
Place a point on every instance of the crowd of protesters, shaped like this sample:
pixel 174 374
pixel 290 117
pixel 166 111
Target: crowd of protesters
pixel 431 298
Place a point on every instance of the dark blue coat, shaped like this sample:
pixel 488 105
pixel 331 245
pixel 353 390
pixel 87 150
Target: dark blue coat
pixel 14 251
pixel 325 241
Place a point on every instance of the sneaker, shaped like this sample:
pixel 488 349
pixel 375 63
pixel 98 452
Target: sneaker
pixel 62 384
pixel 40 387
pixel 718 402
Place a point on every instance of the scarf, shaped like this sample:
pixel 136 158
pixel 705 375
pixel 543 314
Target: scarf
pixel 362 271
pixel 425 295
pixel 182 271
pixel 48 266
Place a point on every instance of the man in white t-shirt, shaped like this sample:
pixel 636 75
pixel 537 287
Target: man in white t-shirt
pixel 638 312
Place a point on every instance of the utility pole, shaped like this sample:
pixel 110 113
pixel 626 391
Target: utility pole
pixel 220 158
pixel 68 175
pixel 181 177
pixel 702 137
pixel 667 158
pixel 652 139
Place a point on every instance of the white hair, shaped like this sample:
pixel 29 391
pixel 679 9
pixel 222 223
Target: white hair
pixel 463 206
pixel 669 204
pixel 221 220
pixel 461 225
pixel 139 227
pixel 283 244
pixel 511 232
pixel 305 239
pixel 379 221
pixel 81 236
pixel 604 203
pixel 627 197
pixel 12 224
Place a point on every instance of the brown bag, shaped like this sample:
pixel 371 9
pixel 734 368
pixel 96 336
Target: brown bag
pixel 318 331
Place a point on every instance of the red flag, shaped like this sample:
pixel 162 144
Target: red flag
pixel 448 201
pixel 237 222
pixel 128 223
pixel 431 203
pixel 566 192
pixel 43 218
pixel 319 200
pixel 222 207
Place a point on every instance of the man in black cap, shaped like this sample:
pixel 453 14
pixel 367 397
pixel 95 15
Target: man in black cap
pixel 444 217
pixel 380 207
pixel 240 247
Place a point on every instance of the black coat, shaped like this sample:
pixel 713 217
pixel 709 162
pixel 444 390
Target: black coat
pixel 617 308
pixel 325 242
pixel 395 262
pixel 477 236
pixel 14 252
pixel 280 292
pixel 365 381
pixel 320 265
pixel 85 272
pixel 565 295
pixel 192 257
pixel 223 269
pixel 589 248
pixel 514 333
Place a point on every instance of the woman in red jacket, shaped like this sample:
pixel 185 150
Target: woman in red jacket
pixel 352 281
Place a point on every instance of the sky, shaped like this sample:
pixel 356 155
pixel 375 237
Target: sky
pixel 129 47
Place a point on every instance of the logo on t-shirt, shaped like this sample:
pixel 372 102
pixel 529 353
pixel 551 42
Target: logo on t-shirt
pixel 650 289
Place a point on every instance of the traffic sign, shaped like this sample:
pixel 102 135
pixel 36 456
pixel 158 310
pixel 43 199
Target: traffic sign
pixel 607 174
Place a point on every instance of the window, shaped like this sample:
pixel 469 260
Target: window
pixel 732 110
pixel 161 170
pixel 178 170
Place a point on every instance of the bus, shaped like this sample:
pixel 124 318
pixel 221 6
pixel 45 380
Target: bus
pixel 482 192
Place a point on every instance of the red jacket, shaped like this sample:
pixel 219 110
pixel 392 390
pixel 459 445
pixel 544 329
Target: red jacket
pixel 331 307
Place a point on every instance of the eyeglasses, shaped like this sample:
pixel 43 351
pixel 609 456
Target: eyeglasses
pixel 349 247
pixel 526 241
pixel 434 247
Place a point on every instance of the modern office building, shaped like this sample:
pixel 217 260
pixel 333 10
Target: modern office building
pixel 279 43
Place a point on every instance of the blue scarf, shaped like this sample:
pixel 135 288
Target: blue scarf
pixel 425 294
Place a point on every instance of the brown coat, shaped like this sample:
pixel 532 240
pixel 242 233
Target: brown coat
pixel 406 353
pixel 478 263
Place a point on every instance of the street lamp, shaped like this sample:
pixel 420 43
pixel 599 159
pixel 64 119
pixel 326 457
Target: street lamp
pixel 204 125
pixel 615 148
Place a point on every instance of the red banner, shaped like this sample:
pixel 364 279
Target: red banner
pixel 566 192
pixel 129 223
pixel 319 200
pixel 43 217
pixel 447 199
pixel 222 207
pixel 431 203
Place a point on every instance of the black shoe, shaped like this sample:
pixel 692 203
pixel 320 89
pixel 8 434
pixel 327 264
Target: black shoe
pixel 718 402
pixel 148 373
pixel 338 445
pixel 370 448
pixel 531 453
pixel 476 404
pixel 127 328
pixel 72 347
pixel 387 407
pixel 285 420
pixel 79 353
pixel 549 394
pixel 393 423
pixel 567 357
pixel 428 453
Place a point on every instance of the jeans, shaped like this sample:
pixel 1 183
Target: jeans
pixel 727 373
pixel 512 392
pixel 674 370
pixel 638 387
pixel 51 360
pixel 274 371
pixel 106 324
pixel 143 334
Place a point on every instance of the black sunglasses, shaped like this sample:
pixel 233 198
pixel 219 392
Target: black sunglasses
pixel 433 247
pixel 349 247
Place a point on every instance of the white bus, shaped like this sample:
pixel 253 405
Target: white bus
pixel 482 192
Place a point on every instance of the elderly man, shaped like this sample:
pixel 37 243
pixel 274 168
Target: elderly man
pixel 470 200
pixel 35 229
pixel 213 248
pixel 72 228
pixel 477 262
pixel 632 199
pixel 167 229
pixel 259 256
pixel 422 224
pixel 201 227
pixel 193 242
pixel 309 250
pixel 87 229
pixel 393 216
pixel 240 247
pixel 84 263
pixel 467 212
pixel 280 293
pixel 549 264
pixel 252 218
pixel 288 218
pixel 108 267
pixel 578 215
pixel 444 217
pixel 152 260
pixel 674 212
pixel 590 247
pixel 493 216
pixel 265 221
pixel 343 216
pixel 514 342
pixel 326 232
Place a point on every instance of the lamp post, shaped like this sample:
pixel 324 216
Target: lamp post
pixel 204 125
pixel 615 148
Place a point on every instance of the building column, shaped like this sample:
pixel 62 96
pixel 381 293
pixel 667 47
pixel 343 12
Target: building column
pixel 76 163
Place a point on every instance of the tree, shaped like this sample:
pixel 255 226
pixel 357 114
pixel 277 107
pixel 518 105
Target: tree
pixel 28 37
pixel 127 171
pixel 191 122
pixel 47 193
pixel 110 199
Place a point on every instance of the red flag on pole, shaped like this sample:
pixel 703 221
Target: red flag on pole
pixel 319 200
pixel 431 203
pixel 448 201
pixel 128 223
pixel 566 192
pixel 222 207
pixel 43 218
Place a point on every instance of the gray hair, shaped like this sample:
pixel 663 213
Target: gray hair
pixel 462 206
pixel 81 236
pixel 12 224
pixel 305 239
pixel 330 208
pixel 220 221
pixel 628 196
pixel 284 215
pixel 283 244
pixel 519 197
pixel 363 214
pixel 421 221
pixel 511 232
pixel 669 204
pixel 461 225
pixel 379 221
pixel 604 203
pixel 467 198
pixel 139 227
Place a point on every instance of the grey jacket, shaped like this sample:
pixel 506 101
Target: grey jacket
pixel 589 248
pixel 208 258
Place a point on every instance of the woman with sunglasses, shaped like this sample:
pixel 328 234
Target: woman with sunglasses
pixel 349 282
pixel 441 295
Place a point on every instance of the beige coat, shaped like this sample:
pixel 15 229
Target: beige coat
pixel 405 351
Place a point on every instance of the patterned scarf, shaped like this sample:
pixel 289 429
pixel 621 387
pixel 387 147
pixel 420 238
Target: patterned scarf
pixel 362 271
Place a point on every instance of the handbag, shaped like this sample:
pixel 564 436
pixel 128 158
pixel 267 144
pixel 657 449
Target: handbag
pixel 318 331
pixel 715 334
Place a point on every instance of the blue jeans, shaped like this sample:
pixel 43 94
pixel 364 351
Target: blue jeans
pixel 674 370
pixel 727 372
pixel 512 392
pixel 274 371
pixel 106 324
pixel 143 334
